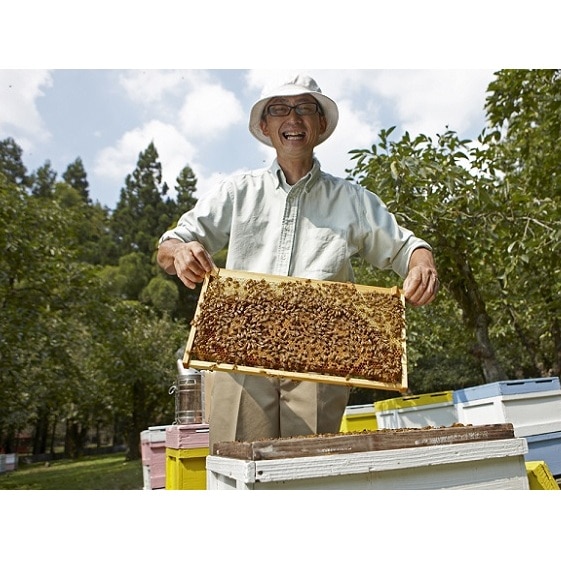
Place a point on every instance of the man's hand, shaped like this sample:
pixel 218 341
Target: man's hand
pixel 421 284
pixel 189 261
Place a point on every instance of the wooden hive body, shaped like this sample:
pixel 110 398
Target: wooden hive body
pixel 301 329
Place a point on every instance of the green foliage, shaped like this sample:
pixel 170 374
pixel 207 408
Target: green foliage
pixel 84 332
pixel 43 181
pixel 11 163
pixel 75 176
pixel 490 208
pixel 163 294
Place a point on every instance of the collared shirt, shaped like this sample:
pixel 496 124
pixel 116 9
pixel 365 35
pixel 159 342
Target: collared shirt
pixel 310 230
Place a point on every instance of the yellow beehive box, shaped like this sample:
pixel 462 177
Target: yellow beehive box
pixel 540 478
pixel 186 469
pixel 358 418
pixel 416 411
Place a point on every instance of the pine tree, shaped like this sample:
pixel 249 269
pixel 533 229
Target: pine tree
pixel 186 187
pixel 11 163
pixel 75 176
pixel 141 211
pixel 43 181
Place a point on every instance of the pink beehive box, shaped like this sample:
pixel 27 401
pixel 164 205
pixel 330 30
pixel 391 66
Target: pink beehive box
pixel 181 437
pixel 153 452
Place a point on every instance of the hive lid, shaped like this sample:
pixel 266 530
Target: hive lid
pixel 421 400
pixel 507 387
pixel 365 441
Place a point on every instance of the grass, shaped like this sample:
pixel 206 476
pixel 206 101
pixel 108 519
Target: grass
pixel 109 472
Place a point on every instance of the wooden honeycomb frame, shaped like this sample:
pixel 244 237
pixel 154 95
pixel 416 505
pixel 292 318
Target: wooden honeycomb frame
pixel 301 329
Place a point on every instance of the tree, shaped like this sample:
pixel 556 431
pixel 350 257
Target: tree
pixel 432 190
pixel 185 188
pixel 43 181
pixel 524 107
pixel 141 214
pixel 11 163
pixel 75 176
pixel 42 294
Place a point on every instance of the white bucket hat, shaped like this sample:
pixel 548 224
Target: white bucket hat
pixel 296 86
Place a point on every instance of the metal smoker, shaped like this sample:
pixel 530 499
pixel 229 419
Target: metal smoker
pixel 189 396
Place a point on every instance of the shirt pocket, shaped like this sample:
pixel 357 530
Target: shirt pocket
pixel 323 253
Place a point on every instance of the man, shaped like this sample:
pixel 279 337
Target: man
pixel 291 219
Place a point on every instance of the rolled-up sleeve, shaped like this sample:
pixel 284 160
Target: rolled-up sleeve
pixel 208 222
pixel 387 245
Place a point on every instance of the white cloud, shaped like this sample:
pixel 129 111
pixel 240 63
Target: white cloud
pixel 151 86
pixel 175 152
pixel 19 115
pixel 354 130
pixel 426 101
pixel 208 111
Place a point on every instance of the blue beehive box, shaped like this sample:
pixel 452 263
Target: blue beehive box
pixel 532 406
pixel 546 447
pixel 509 387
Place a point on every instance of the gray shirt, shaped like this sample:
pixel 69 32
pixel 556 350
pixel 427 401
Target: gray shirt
pixel 309 230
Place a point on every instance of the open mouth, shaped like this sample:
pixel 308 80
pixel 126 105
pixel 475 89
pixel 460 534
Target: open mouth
pixel 293 135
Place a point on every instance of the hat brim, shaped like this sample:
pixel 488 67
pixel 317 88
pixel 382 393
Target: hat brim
pixel 328 106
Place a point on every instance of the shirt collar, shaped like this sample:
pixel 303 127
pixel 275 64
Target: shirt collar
pixel 305 183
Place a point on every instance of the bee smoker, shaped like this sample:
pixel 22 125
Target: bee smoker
pixel 189 396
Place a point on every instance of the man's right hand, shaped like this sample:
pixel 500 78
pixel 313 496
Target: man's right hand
pixel 189 261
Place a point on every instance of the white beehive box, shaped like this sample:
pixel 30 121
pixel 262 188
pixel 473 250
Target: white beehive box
pixel 533 406
pixel 481 464
pixel 417 411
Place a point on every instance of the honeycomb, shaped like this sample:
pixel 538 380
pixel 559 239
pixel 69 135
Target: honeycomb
pixel 300 326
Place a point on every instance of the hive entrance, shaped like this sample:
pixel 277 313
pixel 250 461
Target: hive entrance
pixel 324 331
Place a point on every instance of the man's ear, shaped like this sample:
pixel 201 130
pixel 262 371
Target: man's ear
pixel 322 123
pixel 263 126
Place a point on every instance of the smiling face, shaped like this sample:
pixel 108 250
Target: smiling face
pixel 293 135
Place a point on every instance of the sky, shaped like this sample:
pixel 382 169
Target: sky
pixel 199 117
pixel 104 82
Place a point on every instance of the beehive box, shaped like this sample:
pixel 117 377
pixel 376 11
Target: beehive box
pixel 358 418
pixel 546 447
pixel 533 406
pixel 186 469
pixel 416 411
pixel 540 477
pixel 8 462
pixel 153 453
pixel 187 436
pixel 447 458
pixel 330 332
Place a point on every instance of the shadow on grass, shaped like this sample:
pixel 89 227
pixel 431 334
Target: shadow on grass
pixel 110 472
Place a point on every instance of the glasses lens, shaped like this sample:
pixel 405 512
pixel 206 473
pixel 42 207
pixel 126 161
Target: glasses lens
pixel 306 108
pixel 279 110
pixel 282 110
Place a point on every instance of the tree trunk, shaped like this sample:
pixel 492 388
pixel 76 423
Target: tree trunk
pixel 138 421
pixel 528 343
pixel 41 433
pixel 465 291
pixel 556 334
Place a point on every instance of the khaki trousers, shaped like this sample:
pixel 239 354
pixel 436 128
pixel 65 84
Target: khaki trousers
pixel 248 408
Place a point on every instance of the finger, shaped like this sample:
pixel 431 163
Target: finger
pixel 421 290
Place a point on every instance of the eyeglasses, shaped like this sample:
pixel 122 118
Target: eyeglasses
pixel 283 110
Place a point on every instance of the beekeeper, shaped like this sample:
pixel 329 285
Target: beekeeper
pixel 291 219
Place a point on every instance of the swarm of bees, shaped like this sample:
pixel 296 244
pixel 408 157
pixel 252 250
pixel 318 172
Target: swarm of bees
pixel 301 326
